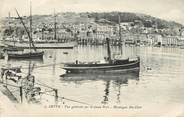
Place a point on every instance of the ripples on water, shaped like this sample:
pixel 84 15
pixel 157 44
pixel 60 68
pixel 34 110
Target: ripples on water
pixel 160 79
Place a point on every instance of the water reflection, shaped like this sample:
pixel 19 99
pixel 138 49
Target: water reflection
pixel 109 79
pixel 106 92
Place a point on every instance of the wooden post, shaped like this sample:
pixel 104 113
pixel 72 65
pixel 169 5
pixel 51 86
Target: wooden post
pixel 56 95
pixel 21 94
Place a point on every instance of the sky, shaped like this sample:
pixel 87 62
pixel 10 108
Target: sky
pixel 171 10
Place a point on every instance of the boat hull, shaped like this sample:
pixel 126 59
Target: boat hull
pixel 103 68
pixel 33 55
pixel 42 45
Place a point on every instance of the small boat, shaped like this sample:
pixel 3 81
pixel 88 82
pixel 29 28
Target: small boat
pixel 15 69
pixel 42 45
pixel 27 55
pixel 65 52
pixel 12 48
pixel 182 47
pixel 111 65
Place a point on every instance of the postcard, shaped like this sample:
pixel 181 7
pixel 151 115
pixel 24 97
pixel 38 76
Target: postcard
pixel 91 58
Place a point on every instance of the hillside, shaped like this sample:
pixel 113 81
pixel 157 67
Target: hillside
pixel 148 21
pixel 111 18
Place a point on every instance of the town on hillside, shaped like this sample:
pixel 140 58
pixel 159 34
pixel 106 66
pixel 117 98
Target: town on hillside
pixel 92 29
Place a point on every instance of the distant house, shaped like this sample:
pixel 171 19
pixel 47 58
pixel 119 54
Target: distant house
pixel 155 39
pixel 170 40
pixel 181 41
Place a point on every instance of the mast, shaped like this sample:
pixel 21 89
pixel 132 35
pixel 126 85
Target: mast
pixel 120 38
pixel 9 21
pixel 10 29
pixel 55 26
pixel 42 33
pixel 30 27
pixel 121 42
pixel 28 33
pixel 31 38
pixel 108 51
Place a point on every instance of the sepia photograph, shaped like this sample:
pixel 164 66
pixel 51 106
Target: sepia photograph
pixel 92 58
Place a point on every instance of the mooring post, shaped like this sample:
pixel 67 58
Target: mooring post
pixel 56 95
pixel 21 94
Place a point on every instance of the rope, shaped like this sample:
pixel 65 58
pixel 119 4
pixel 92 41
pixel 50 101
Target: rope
pixel 46 91
pixel 70 99
pixel 15 90
pixel 42 84
pixel 47 65
pixel 75 101
pixel 51 95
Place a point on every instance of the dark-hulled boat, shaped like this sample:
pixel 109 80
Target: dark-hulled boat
pixel 115 66
pixel 28 55
pixel 112 65
pixel 31 54
pixel 12 48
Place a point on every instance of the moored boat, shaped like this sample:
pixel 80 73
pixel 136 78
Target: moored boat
pixel 32 54
pixel 26 55
pixel 42 45
pixel 111 65
pixel 12 48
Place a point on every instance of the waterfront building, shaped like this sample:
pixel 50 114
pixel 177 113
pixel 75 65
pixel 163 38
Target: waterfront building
pixel 170 40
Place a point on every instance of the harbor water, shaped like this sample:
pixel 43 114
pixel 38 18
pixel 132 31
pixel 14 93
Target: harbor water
pixel 160 80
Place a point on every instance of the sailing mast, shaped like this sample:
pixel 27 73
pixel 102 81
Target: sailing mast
pixel 121 42
pixel 9 15
pixel 23 24
pixel 55 38
pixel 119 23
pixel 30 26
pixel 31 38
pixel 9 21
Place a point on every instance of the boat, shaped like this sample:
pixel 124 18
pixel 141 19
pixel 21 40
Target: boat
pixel 65 52
pixel 111 65
pixel 32 54
pixel 12 48
pixel 41 45
pixel 15 69
pixel 181 47
pixel 27 55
